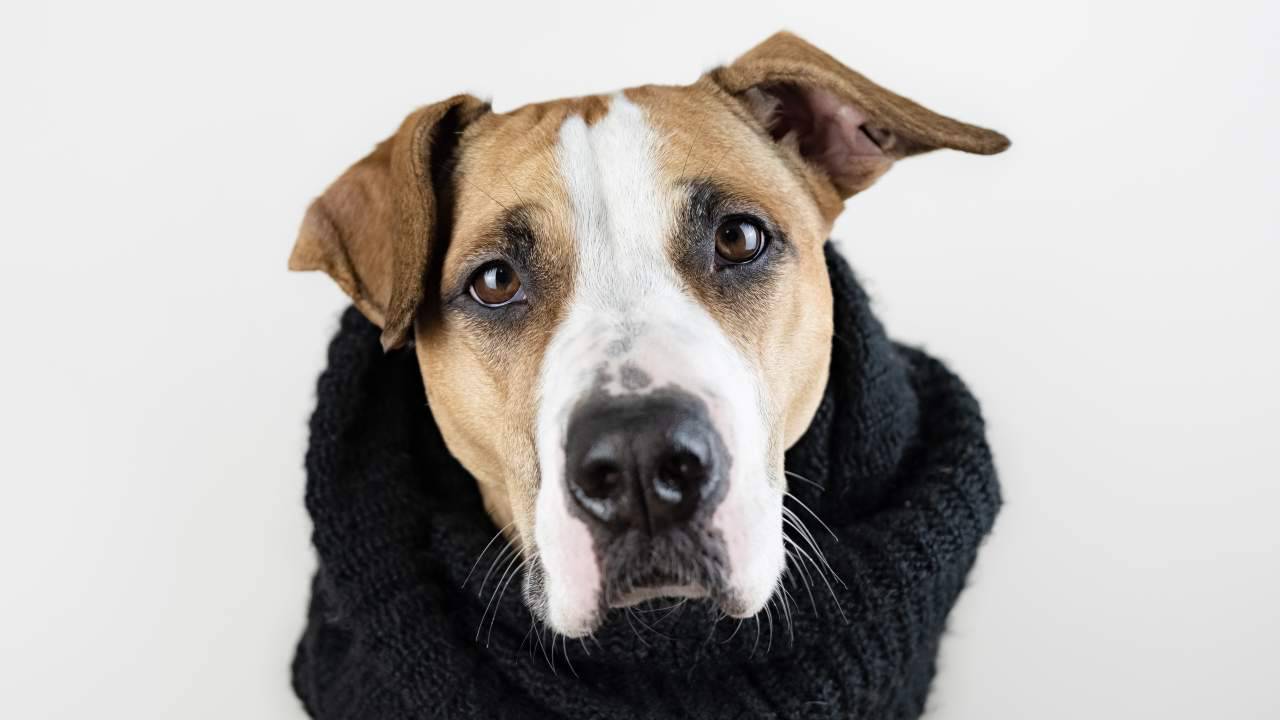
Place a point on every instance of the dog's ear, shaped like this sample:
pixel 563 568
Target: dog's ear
pixel 846 126
pixel 373 229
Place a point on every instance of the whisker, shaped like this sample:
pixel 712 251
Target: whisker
pixel 494 618
pixel 822 576
pixel 819 560
pixel 627 613
pixel 715 624
pixel 564 647
pixel 542 646
pixel 675 604
pixel 813 543
pixel 802 478
pixel 792 520
pixel 689 154
pixel 786 610
pixel 651 628
pixel 512 186
pixel 789 516
pixel 486 194
pixel 717 165
pixel 757 642
pixel 768 612
pixel 674 608
pixel 527 634
pixel 550 663
pixel 815 516
pixel 734 634
pixel 807 536
pixel 485 550
pixel 496 587
pixel 497 561
pixel 803 574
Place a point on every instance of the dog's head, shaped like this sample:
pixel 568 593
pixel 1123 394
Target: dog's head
pixel 621 309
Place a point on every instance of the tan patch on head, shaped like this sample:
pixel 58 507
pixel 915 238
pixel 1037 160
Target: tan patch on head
pixel 788 332
pixel 482 376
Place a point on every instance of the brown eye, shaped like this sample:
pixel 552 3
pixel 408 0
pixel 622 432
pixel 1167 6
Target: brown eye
pixel 496 284
pixel 739 240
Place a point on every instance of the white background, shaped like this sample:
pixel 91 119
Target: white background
pixel 1107 287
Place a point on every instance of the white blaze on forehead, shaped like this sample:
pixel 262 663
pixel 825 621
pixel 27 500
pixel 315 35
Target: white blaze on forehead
pixel 628 309
pixel 622 214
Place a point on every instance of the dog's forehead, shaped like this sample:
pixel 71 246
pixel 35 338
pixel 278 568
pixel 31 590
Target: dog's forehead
pixel 517 158
pixel 695 125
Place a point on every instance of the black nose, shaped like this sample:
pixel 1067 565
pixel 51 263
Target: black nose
pixel 644 462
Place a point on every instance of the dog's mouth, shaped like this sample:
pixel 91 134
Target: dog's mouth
pixel 683 564
pixel 692 562
pixel 643 594
pixel 636 568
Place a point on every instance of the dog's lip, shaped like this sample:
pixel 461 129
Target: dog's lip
pixel 638 595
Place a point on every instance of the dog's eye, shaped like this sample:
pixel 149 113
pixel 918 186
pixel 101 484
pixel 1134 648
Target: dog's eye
pixel 496 284
pixel 739 240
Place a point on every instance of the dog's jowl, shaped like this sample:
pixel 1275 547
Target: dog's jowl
pixel 621 309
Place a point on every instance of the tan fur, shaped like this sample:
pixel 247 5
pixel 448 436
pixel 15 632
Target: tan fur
pixel 786 60
pixel 372 229
pixel 788 333
pixel 379 232
pixel 483 396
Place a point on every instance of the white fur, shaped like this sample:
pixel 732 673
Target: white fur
pixel 628 294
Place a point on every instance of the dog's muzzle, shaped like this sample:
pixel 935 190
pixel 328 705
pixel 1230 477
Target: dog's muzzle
pixel 645 473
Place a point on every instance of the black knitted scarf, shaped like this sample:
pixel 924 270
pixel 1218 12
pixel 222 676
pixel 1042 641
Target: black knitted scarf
pixel 895 463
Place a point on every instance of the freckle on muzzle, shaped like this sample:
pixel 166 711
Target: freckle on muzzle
pixel 645 472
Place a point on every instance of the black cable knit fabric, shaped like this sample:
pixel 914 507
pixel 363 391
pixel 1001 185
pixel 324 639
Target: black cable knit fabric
pixel 897 466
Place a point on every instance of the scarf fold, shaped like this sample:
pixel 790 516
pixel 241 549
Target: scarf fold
pixel 895 463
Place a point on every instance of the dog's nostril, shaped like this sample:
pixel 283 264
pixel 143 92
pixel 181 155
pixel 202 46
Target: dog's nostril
pixel 679 473
pixel 600 479
pixel 596 487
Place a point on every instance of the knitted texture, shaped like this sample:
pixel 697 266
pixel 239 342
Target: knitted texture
pixel 895 463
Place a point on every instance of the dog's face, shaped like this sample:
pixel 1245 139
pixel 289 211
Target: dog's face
pixel 621 310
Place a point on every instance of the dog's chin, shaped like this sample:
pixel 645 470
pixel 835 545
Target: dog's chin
pixel 584 617
pixel 734 604
pixel 673 568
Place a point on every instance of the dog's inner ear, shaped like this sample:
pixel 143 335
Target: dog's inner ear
pixel 834 135
pixel 841 123
pixel 374 229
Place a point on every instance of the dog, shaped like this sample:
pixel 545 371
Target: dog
pixel 620 308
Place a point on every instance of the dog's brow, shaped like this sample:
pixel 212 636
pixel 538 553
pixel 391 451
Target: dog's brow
pixel 487 194
pixel 512 231
pixel 706 198
pixel 517 223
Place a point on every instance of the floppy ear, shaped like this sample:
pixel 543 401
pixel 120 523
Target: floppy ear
pixel 373 229
pixel 846 126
